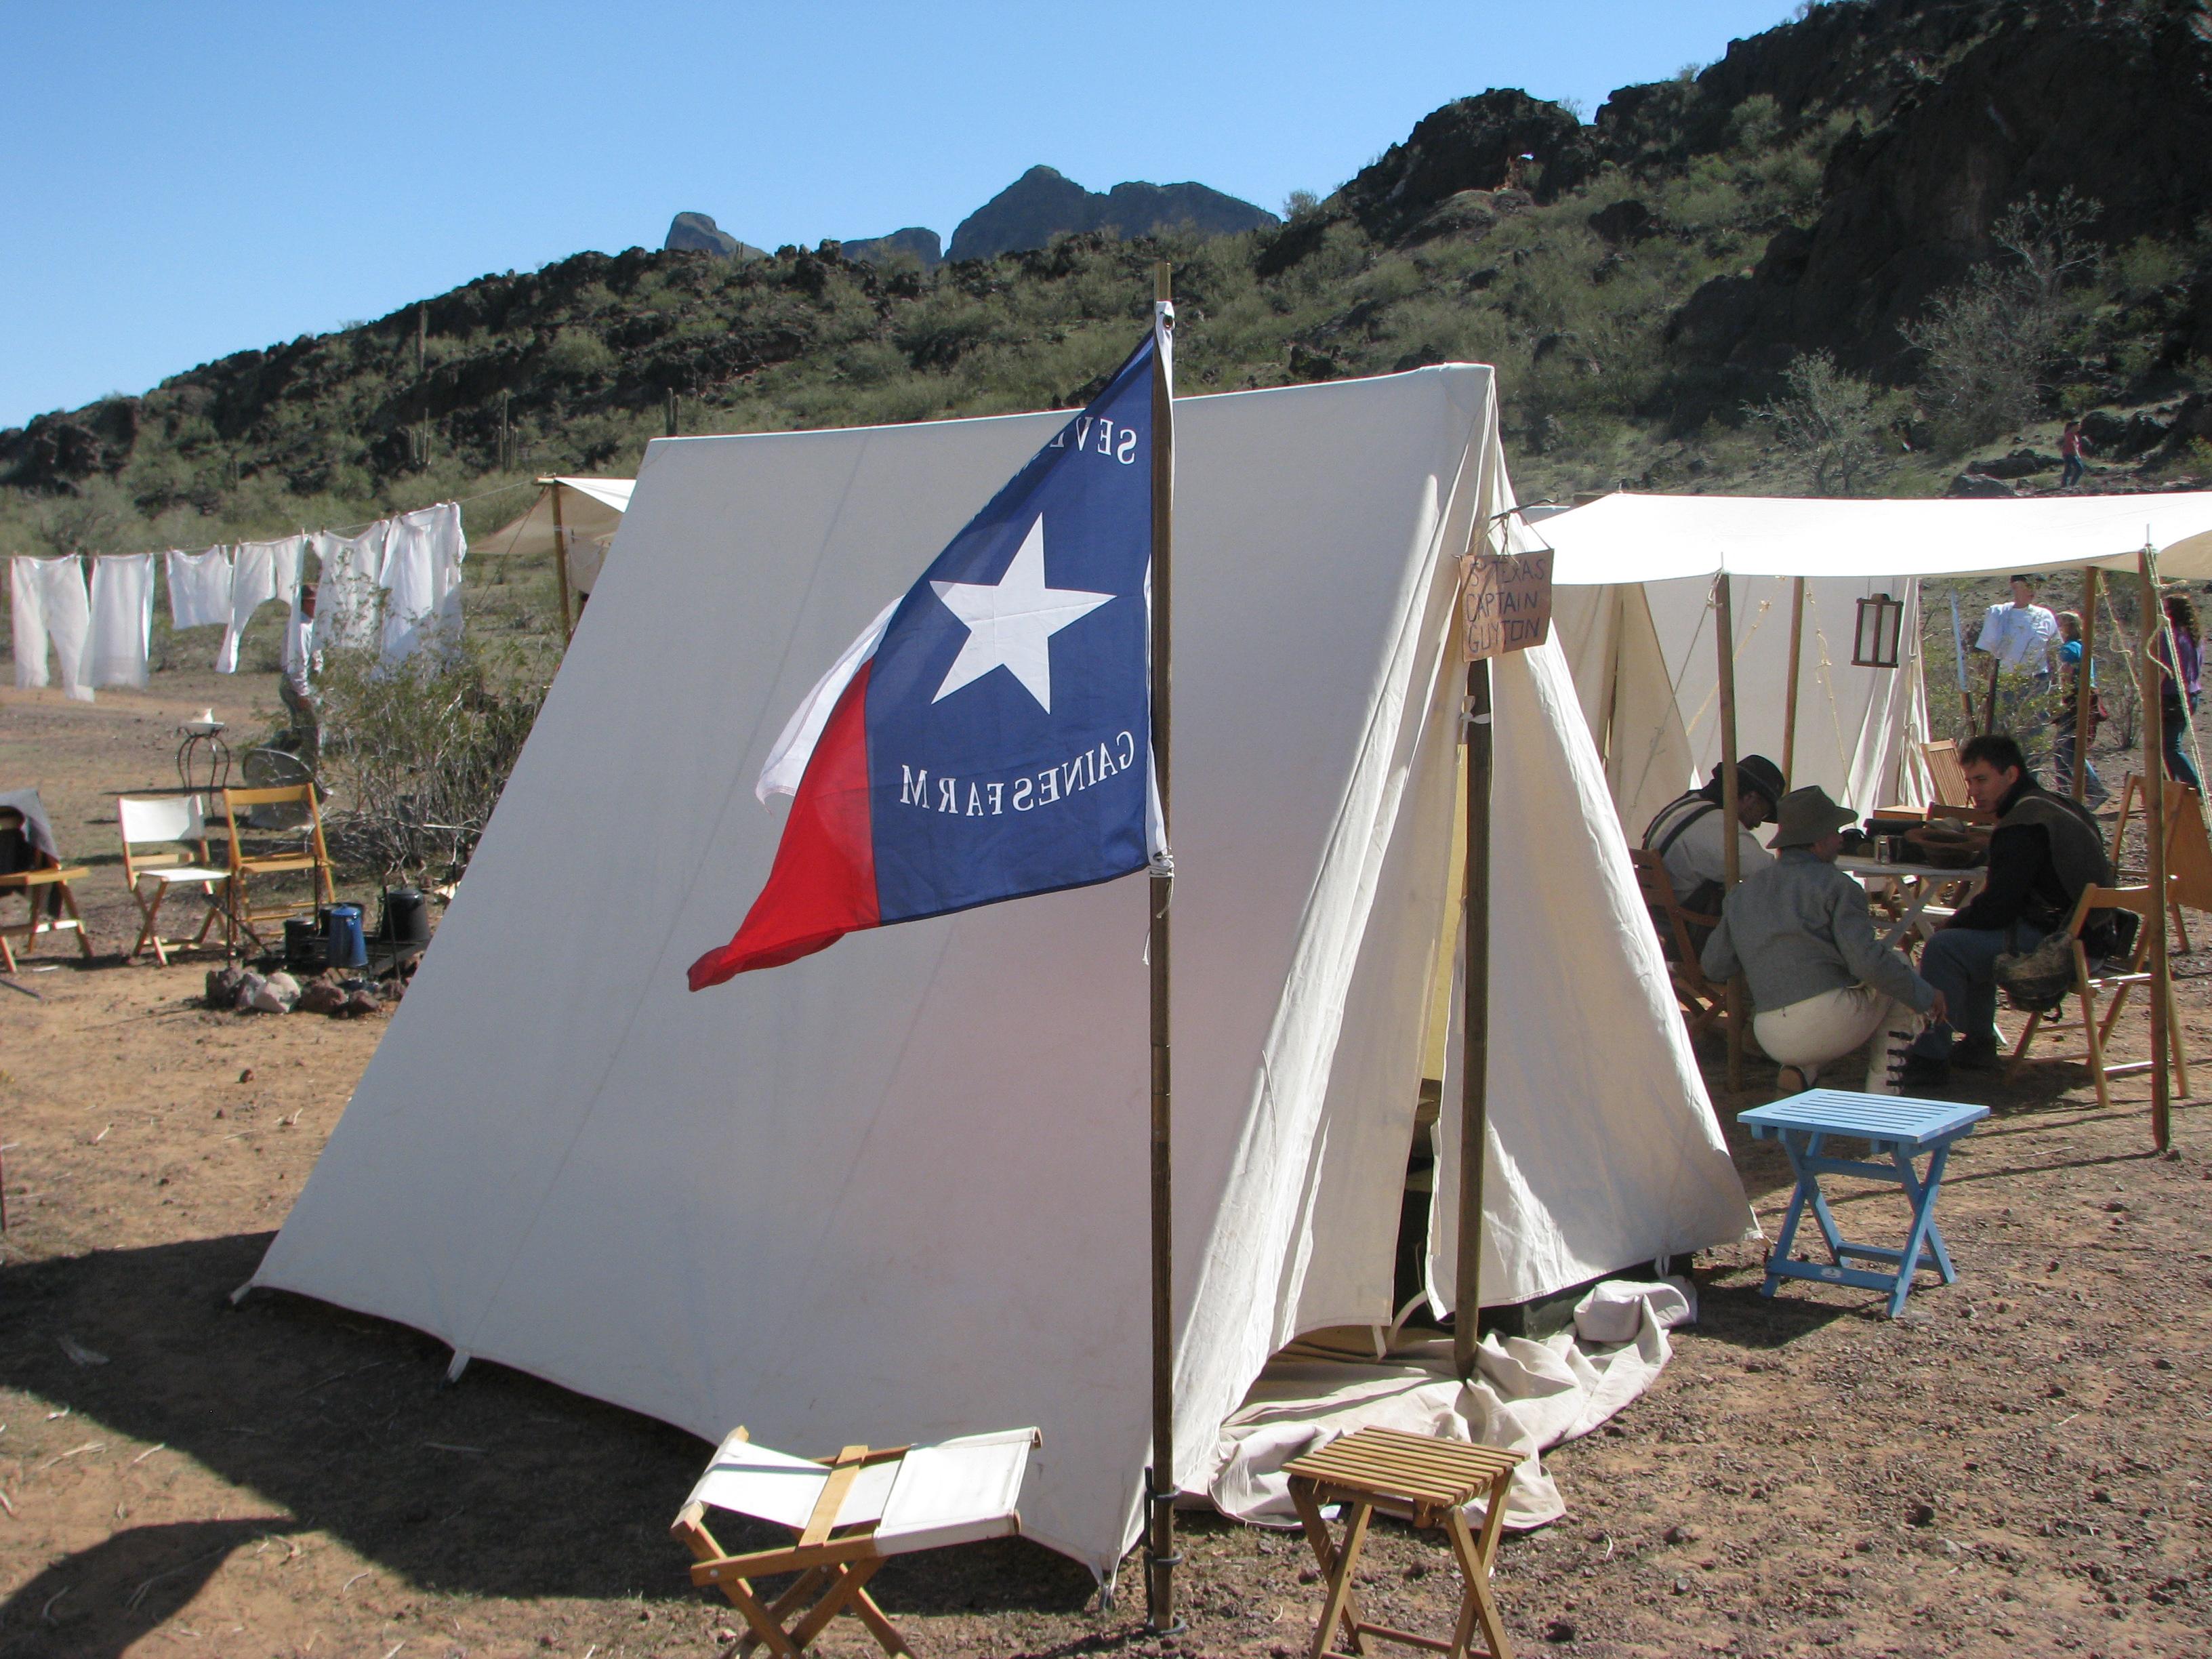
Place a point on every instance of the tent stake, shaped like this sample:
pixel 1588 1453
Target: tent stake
pixel 1789 696
pixel 2085 696
pixel 2153 754
pixel 1474 1025
pixel 1725 636
pixel 1160 1577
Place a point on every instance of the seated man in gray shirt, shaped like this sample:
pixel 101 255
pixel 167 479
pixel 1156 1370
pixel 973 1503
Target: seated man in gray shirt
pixel 1822 983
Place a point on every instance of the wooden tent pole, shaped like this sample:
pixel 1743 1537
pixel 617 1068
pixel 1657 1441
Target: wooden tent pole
pixel 2161 981
pixel 2085 695
pixel 561 565
pixel 1160 1566
pixel 1789 697
pixel 1474 1024
pixel 1990 704
pixel 1725 638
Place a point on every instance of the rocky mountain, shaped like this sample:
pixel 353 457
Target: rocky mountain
pixel 914 243
pixel 1043 204
pixel 696 233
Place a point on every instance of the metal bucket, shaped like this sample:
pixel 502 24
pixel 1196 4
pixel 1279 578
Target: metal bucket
pixel 344 943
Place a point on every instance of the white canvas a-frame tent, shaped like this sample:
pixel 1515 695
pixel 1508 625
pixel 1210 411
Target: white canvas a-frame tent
pixel 896 1192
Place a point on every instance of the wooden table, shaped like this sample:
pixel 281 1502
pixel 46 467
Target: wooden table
pixel 1420 1479
pixel 1922 882
pixel 1898 1126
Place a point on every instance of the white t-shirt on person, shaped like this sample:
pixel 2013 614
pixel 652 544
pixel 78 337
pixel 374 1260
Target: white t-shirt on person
pixel 2020 636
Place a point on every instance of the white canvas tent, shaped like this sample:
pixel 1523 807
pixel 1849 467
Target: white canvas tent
pixel 577 516
pixel 1644 662
pixel 895 1192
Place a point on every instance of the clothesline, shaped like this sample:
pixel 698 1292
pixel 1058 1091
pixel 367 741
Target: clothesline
pixel 394 587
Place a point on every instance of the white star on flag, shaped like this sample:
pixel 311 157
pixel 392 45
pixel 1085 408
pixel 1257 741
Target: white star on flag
pixel 1008 624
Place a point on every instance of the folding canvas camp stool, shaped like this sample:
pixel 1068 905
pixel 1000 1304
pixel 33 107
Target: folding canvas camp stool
pixel 852 1512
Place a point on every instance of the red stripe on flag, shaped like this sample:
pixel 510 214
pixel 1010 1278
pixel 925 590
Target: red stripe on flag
pixel 822 884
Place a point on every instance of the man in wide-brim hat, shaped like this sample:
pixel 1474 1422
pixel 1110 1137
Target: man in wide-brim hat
pixel 1822 982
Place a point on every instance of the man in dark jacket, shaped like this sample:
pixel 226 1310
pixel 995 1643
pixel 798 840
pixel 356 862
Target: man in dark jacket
pixel 2043 850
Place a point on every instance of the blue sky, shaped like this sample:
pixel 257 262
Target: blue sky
pixel 180 181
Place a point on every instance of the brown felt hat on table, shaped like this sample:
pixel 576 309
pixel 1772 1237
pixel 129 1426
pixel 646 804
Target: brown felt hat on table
pixel 1805 815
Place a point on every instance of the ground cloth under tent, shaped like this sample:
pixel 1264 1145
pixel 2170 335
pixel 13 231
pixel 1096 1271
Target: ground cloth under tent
pixel 896 1192
pixel 1529 1395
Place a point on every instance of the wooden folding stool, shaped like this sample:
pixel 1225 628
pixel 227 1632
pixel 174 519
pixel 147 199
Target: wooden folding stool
pixel 852 1513
pixel 1420 1479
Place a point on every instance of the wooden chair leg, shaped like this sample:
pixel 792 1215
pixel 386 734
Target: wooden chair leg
pixel 1479 1609
pixel 806 1584
pixel 2095 1038
pixel 885 1633
pixel 150 932
pixel 2174 1036
pixel 83 934
pixel 1334 1568
pixel 2020 1049
pixel 2181 928
pixel 849 1577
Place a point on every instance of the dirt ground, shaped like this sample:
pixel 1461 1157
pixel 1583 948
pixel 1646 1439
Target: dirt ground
pixel 2019 1466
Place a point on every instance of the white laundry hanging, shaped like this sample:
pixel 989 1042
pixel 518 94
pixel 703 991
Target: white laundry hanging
pixel 262 571
pixel 421 580
pixel 199 588
pixel 122 619
pixel 50 607
pixel 346 587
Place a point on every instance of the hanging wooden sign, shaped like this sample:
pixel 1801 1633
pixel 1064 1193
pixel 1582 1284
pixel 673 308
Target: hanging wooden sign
pixel 1506 602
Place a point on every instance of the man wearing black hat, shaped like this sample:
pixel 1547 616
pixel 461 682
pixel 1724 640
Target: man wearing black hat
pixel 1822 983
pixel 1687 832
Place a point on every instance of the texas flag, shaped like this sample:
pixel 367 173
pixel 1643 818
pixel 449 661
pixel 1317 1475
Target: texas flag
pixel 989 737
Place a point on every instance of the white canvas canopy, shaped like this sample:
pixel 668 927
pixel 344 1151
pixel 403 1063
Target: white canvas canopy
pixel 1644 668
pixel 896 1192
pixel 1628 537
pixel 1634 613
pixel 578 515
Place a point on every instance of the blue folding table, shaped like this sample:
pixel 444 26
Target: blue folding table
pixel 1895 1125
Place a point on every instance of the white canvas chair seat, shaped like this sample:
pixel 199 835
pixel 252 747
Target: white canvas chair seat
pixel 175 825
pixel 852 1512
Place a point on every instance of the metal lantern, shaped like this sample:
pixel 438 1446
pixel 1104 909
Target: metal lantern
pixel 1874 644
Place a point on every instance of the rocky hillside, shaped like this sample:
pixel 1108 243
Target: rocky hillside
pixel 1658 287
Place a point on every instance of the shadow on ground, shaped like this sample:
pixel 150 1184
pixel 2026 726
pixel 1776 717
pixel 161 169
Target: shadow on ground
pixel 96 1603
pixel 500 1486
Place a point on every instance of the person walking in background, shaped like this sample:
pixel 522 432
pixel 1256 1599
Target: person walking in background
pixel 2067 712
pixel 2178 649
pixel 2071 443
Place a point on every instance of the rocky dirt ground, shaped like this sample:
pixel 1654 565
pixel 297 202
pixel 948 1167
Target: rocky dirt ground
pixel 2019 1466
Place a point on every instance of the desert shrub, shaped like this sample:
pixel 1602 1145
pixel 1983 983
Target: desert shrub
pixel 1991 343
pixel 1832 423
pixel 415 755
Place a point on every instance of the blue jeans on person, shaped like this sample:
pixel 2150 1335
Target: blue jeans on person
pixel 2071 473
pixel 2062 771
pixel 1962 964
pixel 2172 730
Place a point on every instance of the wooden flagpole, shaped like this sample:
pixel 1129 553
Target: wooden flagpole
pixel 1789 696
pixel 1161 1559
pixel 560 564
pixel 2085 695
pixel 2153 766
pixel 1474 1026
pixel 1725 638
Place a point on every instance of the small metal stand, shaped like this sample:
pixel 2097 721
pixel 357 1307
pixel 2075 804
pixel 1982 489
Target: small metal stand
pixel 202 749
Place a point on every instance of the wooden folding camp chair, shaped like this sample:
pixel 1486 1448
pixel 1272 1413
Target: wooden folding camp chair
pixel 171 825
pixel 1703 1004
pixel 852 1513
pixel 2188 846
pixel 299 849
pixel 45 886
pixel 1947 774
pixel 2096 1028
